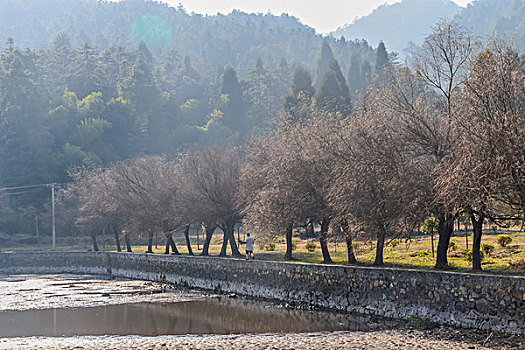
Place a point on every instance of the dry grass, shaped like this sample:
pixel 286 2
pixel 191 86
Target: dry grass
pixel 413 253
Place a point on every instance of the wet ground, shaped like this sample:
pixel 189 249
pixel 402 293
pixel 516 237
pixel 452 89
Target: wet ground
pixel 85 312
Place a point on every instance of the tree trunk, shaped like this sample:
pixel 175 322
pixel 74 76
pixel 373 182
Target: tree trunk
pixel 150 242
pixel 117 240
pixel 380 247
pixel 323 240
pixel 170 243
pixel 94 241
pixel 477 228
pixel 432 241
pixel 210 229
pixel 310 232
pixel 348 238
pixel 233 244
pixel 224 241
pixel 445 230
pixel 289 243
pixel 187 237
pixel 128 243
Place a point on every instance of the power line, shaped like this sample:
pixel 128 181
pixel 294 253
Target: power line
pixel 29 186
pixel 52 185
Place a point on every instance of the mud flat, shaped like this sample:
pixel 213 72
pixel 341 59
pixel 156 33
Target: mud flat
pixel 97 312
pixel 380 340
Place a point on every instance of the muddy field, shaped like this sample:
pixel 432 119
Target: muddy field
pixel 24 293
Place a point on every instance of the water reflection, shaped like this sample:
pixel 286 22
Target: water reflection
pixel 213 316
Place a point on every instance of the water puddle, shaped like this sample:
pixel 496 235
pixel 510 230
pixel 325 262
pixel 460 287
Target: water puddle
pixel 209 316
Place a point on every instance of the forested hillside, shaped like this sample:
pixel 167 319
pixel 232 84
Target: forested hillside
pixel 403 26
pixel 502 18
pixel 237 39
pixel 123 90
pixel 400 23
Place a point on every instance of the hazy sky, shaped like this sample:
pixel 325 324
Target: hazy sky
pixel 324 15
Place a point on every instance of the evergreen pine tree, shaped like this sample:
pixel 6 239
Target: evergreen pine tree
pixel 329 94
pixel 354 77
pixel 334 65
pixel 381 58
pixel 302 88
pixel 234 113
pixel 366 74
pixel 302 83
pixel 323 62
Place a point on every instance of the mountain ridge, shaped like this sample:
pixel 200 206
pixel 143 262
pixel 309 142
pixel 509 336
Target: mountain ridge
pixel 405 24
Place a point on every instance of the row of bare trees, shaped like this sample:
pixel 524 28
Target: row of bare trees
pixel 151 194
pixel 441 136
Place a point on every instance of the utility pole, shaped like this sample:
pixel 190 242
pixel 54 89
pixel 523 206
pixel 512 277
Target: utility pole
pixel 52 185
pixel 37 234
pixel 53 214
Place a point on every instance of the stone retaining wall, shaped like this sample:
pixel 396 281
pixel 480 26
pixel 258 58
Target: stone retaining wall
pixel 457 299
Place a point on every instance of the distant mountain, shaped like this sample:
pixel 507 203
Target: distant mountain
pixel 399 24
pixel 501 18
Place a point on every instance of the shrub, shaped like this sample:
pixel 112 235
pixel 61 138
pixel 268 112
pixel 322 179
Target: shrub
pixel 452 246
pixel 421 254
pixel 311 246
pixel 467 253
pixel 270 246
pixel 487 248
pixel 504 240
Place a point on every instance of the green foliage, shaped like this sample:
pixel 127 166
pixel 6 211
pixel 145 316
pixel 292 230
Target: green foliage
pixel 420 254
pixel 467 254
pixel 302 82
pixel 504 240
pixel 311 246
pixel 487 248
pixel 381 58
pixel 354 77
pixel 324 61
pixel 430 225
pixel 235 116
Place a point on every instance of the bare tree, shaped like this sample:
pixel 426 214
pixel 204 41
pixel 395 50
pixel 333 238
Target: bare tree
pixel 442 63
pixel 286 174
pixel 91 194
pixel 375 179
pixel 485 174
pixel 209 183
pixel 145 190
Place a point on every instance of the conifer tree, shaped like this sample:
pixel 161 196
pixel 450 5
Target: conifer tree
pixel 302 82
pixel 329 93
pixel 381 58
pixel 235 112
pixel 302 89
pixel 323 62
pixel 354 77
pixel 366 74
pixel 334 66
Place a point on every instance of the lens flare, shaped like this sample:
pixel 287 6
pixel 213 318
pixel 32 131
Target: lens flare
pixel 153 30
